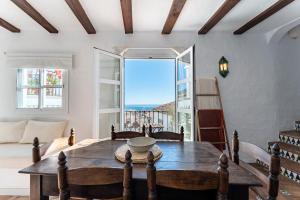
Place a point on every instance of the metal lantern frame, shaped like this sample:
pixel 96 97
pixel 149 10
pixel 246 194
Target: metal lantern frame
pixel 223 67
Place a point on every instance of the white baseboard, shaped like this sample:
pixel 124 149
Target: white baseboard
pixel 15 191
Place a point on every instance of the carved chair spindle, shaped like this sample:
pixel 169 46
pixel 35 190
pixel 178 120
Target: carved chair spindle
pixel 126 134
pixel 188 180
pixel 273 161
pixel 167 135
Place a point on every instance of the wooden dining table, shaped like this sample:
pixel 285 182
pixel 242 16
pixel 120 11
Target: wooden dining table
pixel 176 156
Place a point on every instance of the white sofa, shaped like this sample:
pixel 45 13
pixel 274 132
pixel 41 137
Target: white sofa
pixel 15 155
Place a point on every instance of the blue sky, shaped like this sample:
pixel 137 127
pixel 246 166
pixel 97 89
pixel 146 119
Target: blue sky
pixel 149 81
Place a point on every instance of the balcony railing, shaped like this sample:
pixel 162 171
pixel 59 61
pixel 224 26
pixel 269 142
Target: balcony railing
pixel 159 120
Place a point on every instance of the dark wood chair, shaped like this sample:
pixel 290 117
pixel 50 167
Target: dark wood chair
pixel 270 187
pixel 81 182
pixel 127 134
pixel 39 151
pixel 167 135
pixel 182 181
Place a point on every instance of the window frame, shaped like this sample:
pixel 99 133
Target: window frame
pixel 40 109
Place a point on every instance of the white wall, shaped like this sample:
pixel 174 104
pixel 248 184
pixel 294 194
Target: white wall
pixel 249 91
pixel 80 78
pixel 287 54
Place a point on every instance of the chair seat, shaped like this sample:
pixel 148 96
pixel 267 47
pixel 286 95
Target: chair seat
pixel 287 188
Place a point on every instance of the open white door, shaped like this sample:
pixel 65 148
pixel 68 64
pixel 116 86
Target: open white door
pixel 185 93
pixel 109 92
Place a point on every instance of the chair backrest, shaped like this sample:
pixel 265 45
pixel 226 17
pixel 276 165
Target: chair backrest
pixel 188 180
pixel 127 134
pixel 167 135
pixel 273 161
pixel 81 177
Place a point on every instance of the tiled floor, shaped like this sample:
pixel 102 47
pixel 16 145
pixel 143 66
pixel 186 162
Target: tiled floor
pixel 22 198
pixel 252 197
pixel 13 198
pixel 293 189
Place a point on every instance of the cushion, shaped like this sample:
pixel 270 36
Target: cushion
pixel 11 132
pixel 45 131
pixel 57 145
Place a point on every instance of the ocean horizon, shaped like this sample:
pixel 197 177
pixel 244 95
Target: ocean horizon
pixel 140 107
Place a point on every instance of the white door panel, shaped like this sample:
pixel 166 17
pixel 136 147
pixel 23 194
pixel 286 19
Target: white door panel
pixel 185 92
pixel 109 92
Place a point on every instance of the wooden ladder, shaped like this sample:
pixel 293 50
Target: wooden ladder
pixel 218 123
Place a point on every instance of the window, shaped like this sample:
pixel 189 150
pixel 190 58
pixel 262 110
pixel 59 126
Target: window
pixel 41 88
pixel 112 82
pixel 149 99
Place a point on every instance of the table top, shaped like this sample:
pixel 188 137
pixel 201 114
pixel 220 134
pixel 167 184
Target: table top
pixel 176 156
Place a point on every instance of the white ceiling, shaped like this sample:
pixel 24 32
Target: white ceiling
pixel 148 15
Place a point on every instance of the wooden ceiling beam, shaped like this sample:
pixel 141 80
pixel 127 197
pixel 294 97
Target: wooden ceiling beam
pixel 34 14
pixel 262 16
pixel 174 13
pixel 126 6
pixel 81 15
pixel 9 26
pixel 218 15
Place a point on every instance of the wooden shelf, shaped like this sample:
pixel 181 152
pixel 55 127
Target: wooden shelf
pixel 210 128
pixel 207 95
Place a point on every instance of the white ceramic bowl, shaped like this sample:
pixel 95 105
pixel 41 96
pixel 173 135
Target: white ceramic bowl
pixel 140 144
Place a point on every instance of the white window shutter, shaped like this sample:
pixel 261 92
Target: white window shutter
pixel 37 60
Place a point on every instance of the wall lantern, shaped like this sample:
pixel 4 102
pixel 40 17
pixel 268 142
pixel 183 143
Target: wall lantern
pixel 223 67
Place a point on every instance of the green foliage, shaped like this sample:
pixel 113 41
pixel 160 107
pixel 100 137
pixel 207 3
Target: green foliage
pixel 52 79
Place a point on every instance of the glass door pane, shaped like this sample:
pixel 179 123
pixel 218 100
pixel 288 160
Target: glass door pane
pixel 110 96
pixel 108 118
pixel 109 67
pixel 109 93
pixel 28 88
pixel 185 93
pixel 52 88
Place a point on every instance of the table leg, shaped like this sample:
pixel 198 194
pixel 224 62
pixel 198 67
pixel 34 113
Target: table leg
pixel 36 188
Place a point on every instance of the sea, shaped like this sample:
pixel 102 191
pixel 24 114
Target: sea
pixel 140 107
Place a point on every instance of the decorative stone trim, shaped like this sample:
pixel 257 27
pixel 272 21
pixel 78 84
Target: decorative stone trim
pixel 288 155
pixel 258 197
pixel 291 175
pixel 286 172
pixel 289 140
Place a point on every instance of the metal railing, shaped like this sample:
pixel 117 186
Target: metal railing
pixel 159 120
